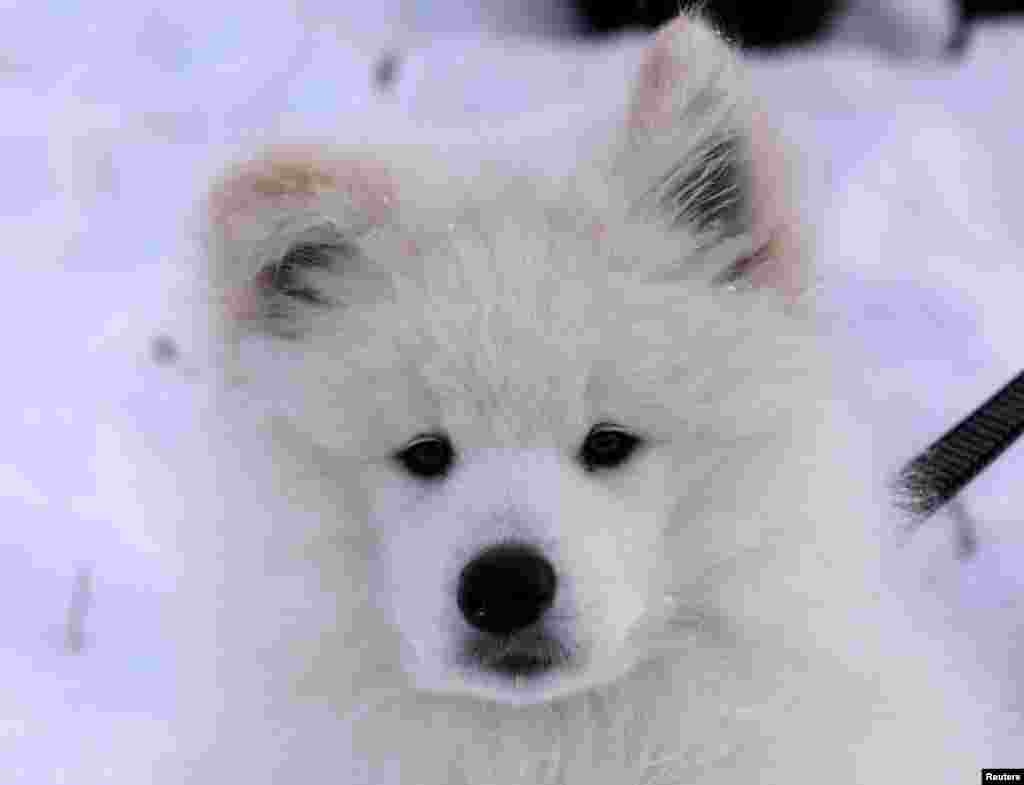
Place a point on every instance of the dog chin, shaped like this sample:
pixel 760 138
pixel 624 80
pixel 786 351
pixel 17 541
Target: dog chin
pixel 518 689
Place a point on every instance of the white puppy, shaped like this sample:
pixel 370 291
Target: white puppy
pixel 542 483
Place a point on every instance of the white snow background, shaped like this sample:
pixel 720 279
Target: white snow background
pixel 115 114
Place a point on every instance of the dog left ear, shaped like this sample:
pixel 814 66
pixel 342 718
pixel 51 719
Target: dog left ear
pixel 699 155
pixel 284 227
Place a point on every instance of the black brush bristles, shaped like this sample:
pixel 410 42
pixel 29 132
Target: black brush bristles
pixel 939 473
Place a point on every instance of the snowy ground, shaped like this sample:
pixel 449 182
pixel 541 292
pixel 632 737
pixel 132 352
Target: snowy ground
pixel 112 123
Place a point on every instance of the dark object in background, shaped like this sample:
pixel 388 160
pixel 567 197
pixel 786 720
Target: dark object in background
pixel 163 350
pixel 752 24
pixel 385 71
pixel 980 9
pixel 81 601
pixel 973 10
pixel 953 460
pixel 758 25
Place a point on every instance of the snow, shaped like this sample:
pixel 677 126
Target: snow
pixel 116 114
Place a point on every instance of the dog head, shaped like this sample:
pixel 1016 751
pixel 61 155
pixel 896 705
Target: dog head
pixel 562 406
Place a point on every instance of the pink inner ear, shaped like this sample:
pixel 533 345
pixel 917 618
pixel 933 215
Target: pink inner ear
pixel 297 175
pixel 775 223
pixel 768 173
pixel 369 186
pixel 660 70
pixel 243 302
pixel 778 267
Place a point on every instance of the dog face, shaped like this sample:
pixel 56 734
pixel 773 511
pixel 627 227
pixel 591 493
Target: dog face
pixel 544 399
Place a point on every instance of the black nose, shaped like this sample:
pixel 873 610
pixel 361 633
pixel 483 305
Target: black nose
pixel 506 588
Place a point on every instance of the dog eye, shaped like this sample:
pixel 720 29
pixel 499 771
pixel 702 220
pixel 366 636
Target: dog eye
pixel 428 457
pixel 607 447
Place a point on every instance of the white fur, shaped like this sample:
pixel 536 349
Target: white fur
pixel 719 592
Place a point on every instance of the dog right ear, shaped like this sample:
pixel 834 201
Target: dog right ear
pixel 281 228
pixel 700 155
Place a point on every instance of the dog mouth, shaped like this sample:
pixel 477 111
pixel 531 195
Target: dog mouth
pixel 519 656
pixel 520 664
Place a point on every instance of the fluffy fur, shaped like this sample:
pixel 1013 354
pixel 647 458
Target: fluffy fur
pixel 719 616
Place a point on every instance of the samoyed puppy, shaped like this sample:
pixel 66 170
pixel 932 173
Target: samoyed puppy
pixel 520 481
